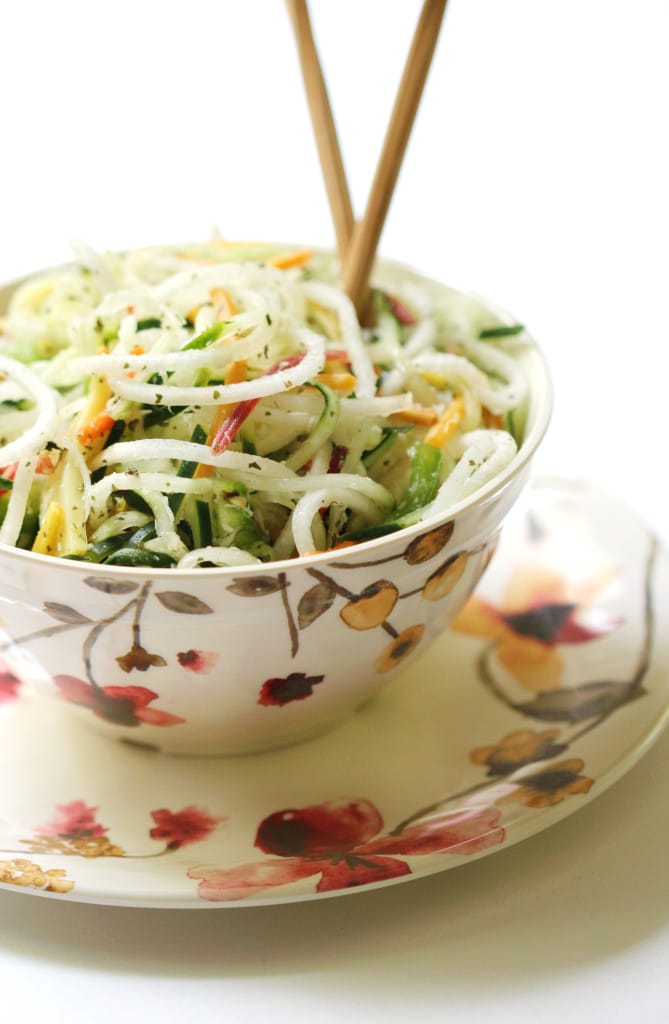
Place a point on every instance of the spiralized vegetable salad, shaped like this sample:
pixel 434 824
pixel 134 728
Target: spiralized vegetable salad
pixel 220 404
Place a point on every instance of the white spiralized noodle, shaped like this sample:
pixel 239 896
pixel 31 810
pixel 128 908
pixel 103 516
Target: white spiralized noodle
pixel 500 399
pixel 76 454
pixel 162 512
pixel 170 483
pixel 351 334
pixel 16 508
pixel 110 306
pixel 309 505
pixel 215 355
pixel 461 372
pixel 485 454
pixel 187 451
pixel 261 387
pixel 168 543
pixel 45 400
pixel 88 257
pixel 421 338
pixel 352 409
pixel 218 556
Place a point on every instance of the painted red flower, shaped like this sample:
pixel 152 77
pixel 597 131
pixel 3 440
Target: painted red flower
pixel 183 827
pixel 75 820
pixel 344 845
pixel 121 705
pixel 9 684
pixel 282 691
pixel 197 661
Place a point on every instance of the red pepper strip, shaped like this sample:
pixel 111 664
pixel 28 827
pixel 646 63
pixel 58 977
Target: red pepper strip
pixel 339 355
pixel 337 459
pixel 9 472
pixel 231 424
pixel 400 311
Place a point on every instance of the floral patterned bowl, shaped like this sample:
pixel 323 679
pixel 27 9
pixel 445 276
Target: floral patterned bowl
pixel 237 660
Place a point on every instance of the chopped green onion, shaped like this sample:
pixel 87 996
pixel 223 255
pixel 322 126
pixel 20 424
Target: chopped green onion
pixel 212 333
pixel 503 331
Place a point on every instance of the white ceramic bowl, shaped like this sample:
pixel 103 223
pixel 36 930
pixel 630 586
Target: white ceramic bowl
pixel 236 660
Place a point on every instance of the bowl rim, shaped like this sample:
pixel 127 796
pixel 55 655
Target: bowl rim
pixel 541 395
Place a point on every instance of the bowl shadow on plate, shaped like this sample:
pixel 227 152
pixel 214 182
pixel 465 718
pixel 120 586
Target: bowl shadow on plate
pixel 588 888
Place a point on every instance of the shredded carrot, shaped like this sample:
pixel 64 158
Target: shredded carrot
pixel 492 420
pixel 423 415
pixel 294 258
pixel 225 307
pixel 335 547
pixel 337 381
pixel 49 534
pixel 137 350
pixel 447 424
pixel 235 373
pixel 95 429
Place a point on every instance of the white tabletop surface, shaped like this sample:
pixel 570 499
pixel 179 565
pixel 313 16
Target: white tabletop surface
pixel 537 175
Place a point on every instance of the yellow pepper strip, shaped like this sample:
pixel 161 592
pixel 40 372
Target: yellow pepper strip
pixel 235 373
pixel 290 259
pixel 92 426
pixel 224 303
pixel 447 424
pixel 50 532
pixel 337 381
pixel 437 380
pixel 423 415
pixel 99 394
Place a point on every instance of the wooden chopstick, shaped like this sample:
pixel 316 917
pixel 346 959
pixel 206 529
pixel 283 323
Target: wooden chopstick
pixel 362 250
pixel 325 131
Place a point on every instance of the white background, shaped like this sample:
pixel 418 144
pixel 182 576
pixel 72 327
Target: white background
pixel 536 175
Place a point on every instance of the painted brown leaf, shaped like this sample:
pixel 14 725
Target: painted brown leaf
pixel 592 700
pixel 314 602
pixel 255 586
pixel 64 613
pixel 185 604
pixel 110 586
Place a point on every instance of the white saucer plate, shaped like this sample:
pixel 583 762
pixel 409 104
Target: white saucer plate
pixel 552 683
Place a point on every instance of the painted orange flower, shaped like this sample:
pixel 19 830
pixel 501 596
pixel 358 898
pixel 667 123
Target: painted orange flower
pixel 551 785
pixel 401 647
pixel 139 658
pixel 540 611
pixel 517 749
pixel 444 579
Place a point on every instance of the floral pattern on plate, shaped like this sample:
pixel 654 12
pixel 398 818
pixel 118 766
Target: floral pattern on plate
pixel 558 682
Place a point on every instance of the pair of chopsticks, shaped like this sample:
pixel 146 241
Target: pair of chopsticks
pixel 357 242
